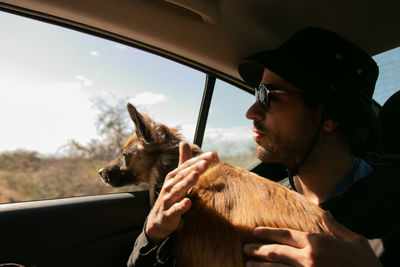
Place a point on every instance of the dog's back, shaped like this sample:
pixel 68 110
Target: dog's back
pixel 227 204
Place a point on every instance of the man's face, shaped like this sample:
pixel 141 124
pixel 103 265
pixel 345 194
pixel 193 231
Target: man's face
pixel 286 130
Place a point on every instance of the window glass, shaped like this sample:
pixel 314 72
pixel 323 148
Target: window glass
pixel 389 75
pixel 228 131
pixel 62 104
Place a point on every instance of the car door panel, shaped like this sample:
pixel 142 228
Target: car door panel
pixel 81 231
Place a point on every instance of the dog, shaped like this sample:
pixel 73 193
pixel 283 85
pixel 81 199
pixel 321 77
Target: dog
pixel 227 202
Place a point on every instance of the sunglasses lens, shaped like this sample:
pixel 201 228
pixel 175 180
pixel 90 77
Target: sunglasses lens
pixel 261 94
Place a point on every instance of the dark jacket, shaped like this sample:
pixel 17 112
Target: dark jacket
pixel 145 253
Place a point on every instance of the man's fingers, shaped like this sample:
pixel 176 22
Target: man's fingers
pixel 198 164
pixel 288 237
pixel 183 176
pixel 337 229
pixel 208 157
pixel 179 208
pixel 185 152
pixel 171 203
pixel 179 181
pixel 179 190
pixel 273 253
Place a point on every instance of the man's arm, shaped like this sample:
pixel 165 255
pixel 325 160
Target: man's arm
pixel 287 247
pixel 165 216
pixel 147 253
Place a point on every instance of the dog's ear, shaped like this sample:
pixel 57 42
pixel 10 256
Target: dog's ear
pixel 143 129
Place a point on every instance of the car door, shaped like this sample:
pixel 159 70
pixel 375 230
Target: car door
pixel 55 210
pixel 81 231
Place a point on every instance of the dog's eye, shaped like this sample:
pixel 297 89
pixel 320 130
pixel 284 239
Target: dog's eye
pixel 125 157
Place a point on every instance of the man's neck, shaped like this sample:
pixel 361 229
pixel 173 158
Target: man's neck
pixel 316 182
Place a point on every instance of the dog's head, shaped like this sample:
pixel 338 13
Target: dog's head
pixel 147 156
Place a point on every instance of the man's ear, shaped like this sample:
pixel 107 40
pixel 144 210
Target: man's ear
pixel 143 129
pixel 329 125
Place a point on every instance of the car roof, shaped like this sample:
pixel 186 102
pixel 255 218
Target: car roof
pixel 215 35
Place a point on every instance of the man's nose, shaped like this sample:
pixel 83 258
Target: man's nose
pixel 255 112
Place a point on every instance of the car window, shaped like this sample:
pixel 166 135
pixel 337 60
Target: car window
pixel 388 81
pixel 228 131
pixel 62 105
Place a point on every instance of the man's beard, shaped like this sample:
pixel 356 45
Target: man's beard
pixel 288 149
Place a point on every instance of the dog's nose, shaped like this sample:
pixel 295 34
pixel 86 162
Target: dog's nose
pixel 101 171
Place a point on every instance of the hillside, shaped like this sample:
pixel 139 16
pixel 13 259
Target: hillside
pixel 26 176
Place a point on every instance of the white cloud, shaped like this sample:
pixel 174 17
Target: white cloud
pixel 43 117
pixel 94 53
pixel 86 82
pixel 233 134
pixel 187 131
pixel 147 98
pixel 229 141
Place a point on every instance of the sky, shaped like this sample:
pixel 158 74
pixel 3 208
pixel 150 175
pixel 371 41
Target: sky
pixel 389 75
pixel 51 78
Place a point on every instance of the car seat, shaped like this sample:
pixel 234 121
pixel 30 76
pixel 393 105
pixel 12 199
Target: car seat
pixel 389 117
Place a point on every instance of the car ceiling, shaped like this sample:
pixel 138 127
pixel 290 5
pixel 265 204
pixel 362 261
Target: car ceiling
pixel 217 34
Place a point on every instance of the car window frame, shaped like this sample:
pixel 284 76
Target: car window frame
pixel 211 75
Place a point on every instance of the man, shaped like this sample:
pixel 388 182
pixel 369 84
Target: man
pixel 313 96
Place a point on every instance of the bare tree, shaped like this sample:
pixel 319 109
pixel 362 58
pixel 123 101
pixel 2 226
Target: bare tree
pixel 113 127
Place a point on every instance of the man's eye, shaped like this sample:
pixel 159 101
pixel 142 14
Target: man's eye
pixel 272 97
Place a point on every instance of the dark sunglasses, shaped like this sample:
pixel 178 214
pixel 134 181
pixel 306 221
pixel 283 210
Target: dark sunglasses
pixel 263 91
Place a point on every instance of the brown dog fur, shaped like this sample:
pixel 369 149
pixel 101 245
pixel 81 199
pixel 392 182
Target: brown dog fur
pixel 227 202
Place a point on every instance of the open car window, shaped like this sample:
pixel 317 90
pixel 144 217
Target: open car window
pixel 62 99
pixel 228 130
pixel 389 75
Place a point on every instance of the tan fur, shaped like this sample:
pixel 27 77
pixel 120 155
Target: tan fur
pixel 227 202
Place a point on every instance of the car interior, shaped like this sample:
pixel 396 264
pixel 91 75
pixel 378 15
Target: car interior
pixel 208 36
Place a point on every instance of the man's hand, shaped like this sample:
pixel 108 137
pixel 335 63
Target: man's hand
pixel 172 203
pixel 287 247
